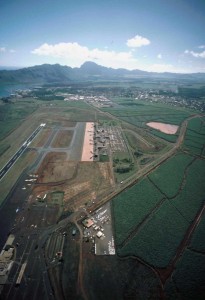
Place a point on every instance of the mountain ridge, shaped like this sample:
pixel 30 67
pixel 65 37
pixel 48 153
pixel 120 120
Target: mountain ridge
pixel 50 73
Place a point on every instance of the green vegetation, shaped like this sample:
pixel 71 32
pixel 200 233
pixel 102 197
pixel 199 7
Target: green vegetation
pixel 145 160
pixel 78 104
pixel 198 238
pixel 195 137
pixel 132 206
pixel 180 178
pixel 167 137
pixel 140 113
pixel 146 112
pixel 157 241
pixel 123 165
pixel 191 198
pixel 188 278
pixel 168 177
pixel 104 158
pixel 12 115
pixel 192 92
pixel 3 148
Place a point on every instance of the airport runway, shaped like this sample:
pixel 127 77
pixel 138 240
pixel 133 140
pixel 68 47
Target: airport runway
pixel 14 158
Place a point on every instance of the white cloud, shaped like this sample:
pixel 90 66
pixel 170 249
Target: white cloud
pixel 2 49
pixel 74 55
pixel 202 47
pixel 159 56
pixel 195 54
pixel 12 51
pixel 138 41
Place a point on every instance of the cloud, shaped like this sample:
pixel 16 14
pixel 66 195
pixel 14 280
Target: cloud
pixel 12 51
pixel 2 49
pixel 75 55
pixel 159 56
pixel 138 41
pixel 195 54
pixel 202 47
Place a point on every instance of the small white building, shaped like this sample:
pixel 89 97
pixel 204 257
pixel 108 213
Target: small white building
pixel 99 234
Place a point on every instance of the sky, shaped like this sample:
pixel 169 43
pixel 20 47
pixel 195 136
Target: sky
pixel 151 35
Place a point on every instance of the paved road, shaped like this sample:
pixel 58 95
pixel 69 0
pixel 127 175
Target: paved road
pixel 14 158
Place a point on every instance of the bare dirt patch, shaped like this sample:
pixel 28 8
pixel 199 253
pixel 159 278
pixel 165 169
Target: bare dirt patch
pixel 81 182
pixel 63 139
pixel 165 128
pixel 92 180
pixel 55 168
pixel 88 142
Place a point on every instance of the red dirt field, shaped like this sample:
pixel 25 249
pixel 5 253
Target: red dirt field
pixel 165 128
pixel 87 154
pixel 81 182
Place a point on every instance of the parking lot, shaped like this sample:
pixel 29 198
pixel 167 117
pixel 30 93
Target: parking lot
pixel 116 140
pixel 100 231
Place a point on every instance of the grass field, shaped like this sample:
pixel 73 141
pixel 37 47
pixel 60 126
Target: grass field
pixel 12 176
pixel 12 115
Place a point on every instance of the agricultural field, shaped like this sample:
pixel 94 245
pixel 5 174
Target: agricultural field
pixel 191 198
pixel 188 279
pixel 195 137
pixel 198 239
pixel 140 113
pixel 158 239
pixel 150 234
pixel 138 202
pixel 132 206
pixel 168 178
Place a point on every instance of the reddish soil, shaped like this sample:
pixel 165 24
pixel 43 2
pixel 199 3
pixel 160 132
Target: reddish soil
pixel 165 128
pixel 87 153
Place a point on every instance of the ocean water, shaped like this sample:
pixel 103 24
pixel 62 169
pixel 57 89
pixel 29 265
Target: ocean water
pixel 7 89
